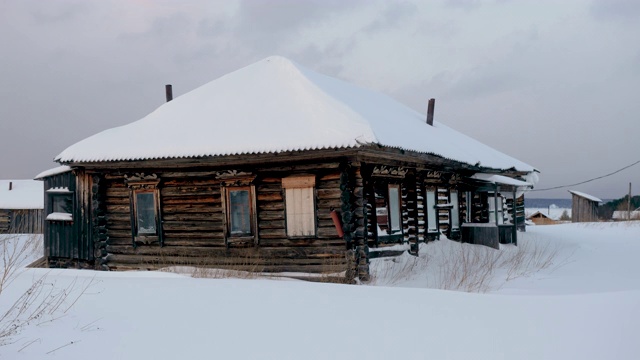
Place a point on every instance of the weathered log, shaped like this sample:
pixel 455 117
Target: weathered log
pixel 269 196
pixel 209 216
pixel 212 200
pixel 328 193
pixel 117 209
pixel 188 208
pixel 271 224
pixel 272 233
pixel 268 206
pixel 271 215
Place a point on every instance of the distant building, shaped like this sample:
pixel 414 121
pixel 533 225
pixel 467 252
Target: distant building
pixel 21 204
pixel 625 215
pixel 539 218
pixel 584 207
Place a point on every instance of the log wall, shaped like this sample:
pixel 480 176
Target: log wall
pixel 193 225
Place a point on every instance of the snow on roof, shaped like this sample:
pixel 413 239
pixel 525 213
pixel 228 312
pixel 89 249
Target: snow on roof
pixel 24 194
pixel 55 171
pixel 586 196
pixel 500 179
pixel 624 215
pixel 277 105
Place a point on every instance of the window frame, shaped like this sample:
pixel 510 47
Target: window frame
pixel 59 193
pixel 230 238
pixel 301 182
pixel 141 183
pixel 145 238
pixel 431 212
pixel 391 230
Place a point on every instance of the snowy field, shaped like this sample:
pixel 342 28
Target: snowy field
pixel 576 296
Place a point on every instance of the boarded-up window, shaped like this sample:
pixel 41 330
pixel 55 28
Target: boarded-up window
pixel 300 205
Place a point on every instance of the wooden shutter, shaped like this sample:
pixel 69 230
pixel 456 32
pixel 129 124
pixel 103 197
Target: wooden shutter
pixel 300 205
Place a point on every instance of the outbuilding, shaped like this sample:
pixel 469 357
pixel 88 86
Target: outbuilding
pixel 20 206
pixel 584 207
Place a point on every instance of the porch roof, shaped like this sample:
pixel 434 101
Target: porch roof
pixel 500 179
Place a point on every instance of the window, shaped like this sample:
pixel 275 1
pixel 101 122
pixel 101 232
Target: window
pixel 492 210
pixel 60 206
pixel 145 213
pixel 300 205
pixel 240 216
pixel 395 210
pixel 239 211
pixel 432 213
pixel 455 210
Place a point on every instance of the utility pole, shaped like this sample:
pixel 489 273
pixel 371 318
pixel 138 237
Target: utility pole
pixel 629 205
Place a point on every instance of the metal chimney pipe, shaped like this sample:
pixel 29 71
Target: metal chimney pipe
pixel 432 105
pixel 10 185
pixel 169 90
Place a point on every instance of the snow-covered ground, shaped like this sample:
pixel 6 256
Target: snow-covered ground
pixel 584 305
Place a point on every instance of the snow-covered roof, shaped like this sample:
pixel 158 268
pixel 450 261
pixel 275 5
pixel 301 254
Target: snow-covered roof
pixel 55 171
pixel 24 194
pixel 276 105
pixel 551 212
pixel 624 215
pixel 586 196
pixel 500 179
pixel 538 213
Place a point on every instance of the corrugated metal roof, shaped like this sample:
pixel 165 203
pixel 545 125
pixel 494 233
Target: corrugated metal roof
pixel 276 105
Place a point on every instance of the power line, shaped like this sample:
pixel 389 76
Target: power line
pixel 590 180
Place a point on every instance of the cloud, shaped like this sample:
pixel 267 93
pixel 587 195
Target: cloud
pixel 615 10
pixel 393 16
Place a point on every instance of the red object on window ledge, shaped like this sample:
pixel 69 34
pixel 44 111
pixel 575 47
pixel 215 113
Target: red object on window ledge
pixel 337 222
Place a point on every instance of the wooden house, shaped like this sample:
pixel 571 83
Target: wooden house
pixel 20 206
pixel 276 168
pixel 540 218
pixel 584 207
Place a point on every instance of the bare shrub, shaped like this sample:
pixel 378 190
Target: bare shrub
pixel 529 257
pixel 467 267
pixel 42 301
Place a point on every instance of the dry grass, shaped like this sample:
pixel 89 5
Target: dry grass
pixel 250 264
pixel 450 265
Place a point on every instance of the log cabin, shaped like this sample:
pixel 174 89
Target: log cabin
pixel 276 168
pixel 20 207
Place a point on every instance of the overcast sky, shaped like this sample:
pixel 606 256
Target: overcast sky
pixel 553 83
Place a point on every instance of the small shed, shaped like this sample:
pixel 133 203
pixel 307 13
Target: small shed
pixel 584 207
pixel 21 206
pixel 540 218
